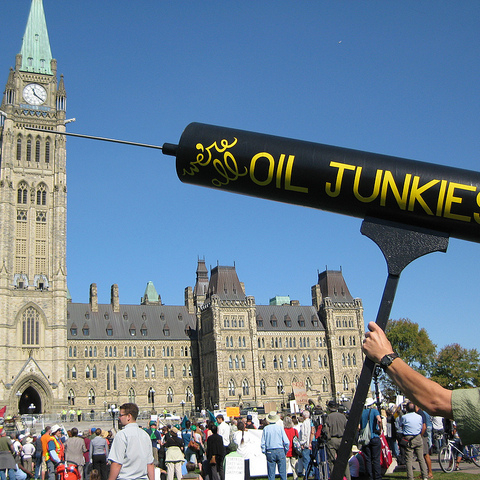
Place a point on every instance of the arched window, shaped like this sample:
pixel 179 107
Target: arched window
pixel 344 363
pixel 280 361
pixel 320 363
pixel 349 360
pixel 294 361
pixel 91 397
pixel 134 371
pixel 129 351
pixel 345 382
pixel 245 387
pixel 308 384
pixel 165 371
pixel 19 149
pixel 230 362
pixel 87 372
pixel 71 397
pixel 184 370
pixel 94 351
pixel 231 388
pixel 29 150
pixel 263 387
pixel 280 386
pixel 151 395
pixel 325 384
pixel 127 372
pixel 74 372
pixel 190 370
pixel 309 362
pixel 325 361
pixel 275 362
pixel 304 363
pixel 37 150
pixel 147 371
pixel 289 362
pixel 354 359
pixel 131 395
pixel 169 395
pixel 242 362
pixel 152 371
pixel 264 363
pixel 22 193
pixel 237 366
pixel 30 327
pixel 172 371
pixel 47 151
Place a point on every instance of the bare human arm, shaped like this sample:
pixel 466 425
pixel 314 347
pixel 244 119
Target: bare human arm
pixel 115 470
pixel 425 393
pixel 150 471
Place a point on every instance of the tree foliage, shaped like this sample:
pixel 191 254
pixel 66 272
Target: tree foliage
pixel 457 367
pixel 412 343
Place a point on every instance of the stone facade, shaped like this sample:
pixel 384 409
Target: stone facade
pixel 218 349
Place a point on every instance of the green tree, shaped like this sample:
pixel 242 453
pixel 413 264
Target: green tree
pixel 457 367
pixel 412 343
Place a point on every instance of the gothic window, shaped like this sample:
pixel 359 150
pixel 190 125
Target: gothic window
pixel 309 362
pixel 227 342
pixel 47 151
pixel 91 397
pixel 127 372
pixel 230 362
pixel 242 362
pixel 19 149
pixel 147 371
pixel 264 363
pixel 165 371
pixel 151 395
pixel 231 387
pixel 280 362
pixel 344 363
pixel 345 383
pixel 29 150
pixel 184 369
pixel 349 360
pixel 70 351
pixel 320 361
pixel 275 363
pixel 294 361
pixel 22 193
pixel 239 341
pixel 190 370
pixel 152 371
pixel 134 371
pixel 356 381
pixel 94 371
pixel 325 361
pixel 108 377
pixel 304 363
pixel 236 362
pixel 279 386
pixel 74 372
pixel 245 387
pixel 37 151
pixel 134 351
pixel 86 352
pixel 325 384
pixel 172 371
pixel 263 387
pixel 74 351
pixel 131 395
pixel 87 372
pixel 308 384
pixel 169 395
pixel 30 327
pixel 289 361
pixel 71 397
pixel 90 351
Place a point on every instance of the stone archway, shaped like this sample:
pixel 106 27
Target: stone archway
pixel 30 401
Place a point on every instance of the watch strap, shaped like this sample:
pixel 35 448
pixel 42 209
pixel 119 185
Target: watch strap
pixel 387 360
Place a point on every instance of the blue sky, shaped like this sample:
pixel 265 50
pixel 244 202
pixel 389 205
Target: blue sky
pixel 398 78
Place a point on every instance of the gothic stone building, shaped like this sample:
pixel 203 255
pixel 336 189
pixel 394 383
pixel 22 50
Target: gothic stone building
pixel 218 349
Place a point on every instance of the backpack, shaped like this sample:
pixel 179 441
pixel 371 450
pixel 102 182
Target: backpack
pixel 365 434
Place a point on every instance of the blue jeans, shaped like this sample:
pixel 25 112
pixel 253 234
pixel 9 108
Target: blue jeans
pixel 11 474
pixel 38 467
pixel 372 458
pixel 277 458
pixel 306 452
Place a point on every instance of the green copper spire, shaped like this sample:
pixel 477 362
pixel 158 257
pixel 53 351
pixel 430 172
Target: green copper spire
pixel 36 53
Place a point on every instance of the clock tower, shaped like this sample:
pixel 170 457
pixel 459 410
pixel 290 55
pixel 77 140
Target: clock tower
pixel 33 201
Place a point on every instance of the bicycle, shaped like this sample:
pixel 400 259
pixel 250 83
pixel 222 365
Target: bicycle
pixel 447 457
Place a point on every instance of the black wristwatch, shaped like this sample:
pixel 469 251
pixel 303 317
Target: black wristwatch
pixel 387 360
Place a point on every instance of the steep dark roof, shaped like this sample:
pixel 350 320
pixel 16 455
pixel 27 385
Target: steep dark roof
pixel 155 319
pixel 288 318
pixel 224 282
pixel 332 284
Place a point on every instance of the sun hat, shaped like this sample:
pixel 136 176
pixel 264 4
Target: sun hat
pixel 369 401
pixel 273 417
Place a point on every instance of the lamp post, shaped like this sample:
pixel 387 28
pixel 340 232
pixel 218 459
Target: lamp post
pixel 113 411
pixel 31 409
pixel 182 403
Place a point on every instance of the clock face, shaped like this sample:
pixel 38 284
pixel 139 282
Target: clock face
pixel 34 94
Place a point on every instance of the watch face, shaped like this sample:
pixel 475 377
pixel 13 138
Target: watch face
pixel 34 94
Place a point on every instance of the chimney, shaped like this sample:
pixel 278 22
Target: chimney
pixel 93 297
pixel 114 300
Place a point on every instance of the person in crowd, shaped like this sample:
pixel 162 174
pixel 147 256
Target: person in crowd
pixel 249 423
pixel 174 456
pixel 356 464
pixel 213 465
pixel 292 456
pixel 44 439
pixel 28 452
pixel 438 433
pixel 155 437
pixel 334 427
pixel 412 429
pixel 38 457
pixel 7 461
pixel 191 475
pixel 131 453
pixel 187 435
pixel 306 436
pixel 99 453
pixel 373 450
pixel 462 405
pixel 275 445
pixel 426 419
pixel 224 432
pixel 55 451
pixel 248 445
pixel 75 449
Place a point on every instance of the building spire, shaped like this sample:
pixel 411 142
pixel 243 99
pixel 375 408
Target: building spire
pixel 36 53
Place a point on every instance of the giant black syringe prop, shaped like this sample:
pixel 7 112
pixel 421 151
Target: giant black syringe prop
pixel 409 208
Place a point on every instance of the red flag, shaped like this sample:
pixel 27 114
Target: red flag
pixel 2 411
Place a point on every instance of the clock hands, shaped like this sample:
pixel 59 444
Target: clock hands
pixel 35 94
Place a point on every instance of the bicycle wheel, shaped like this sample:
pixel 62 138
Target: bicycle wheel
pixel 474 453
pixel 446 459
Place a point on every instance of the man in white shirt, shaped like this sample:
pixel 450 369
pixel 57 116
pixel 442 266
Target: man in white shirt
pixel 305 440
pixel 224 431
pixel 131 452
